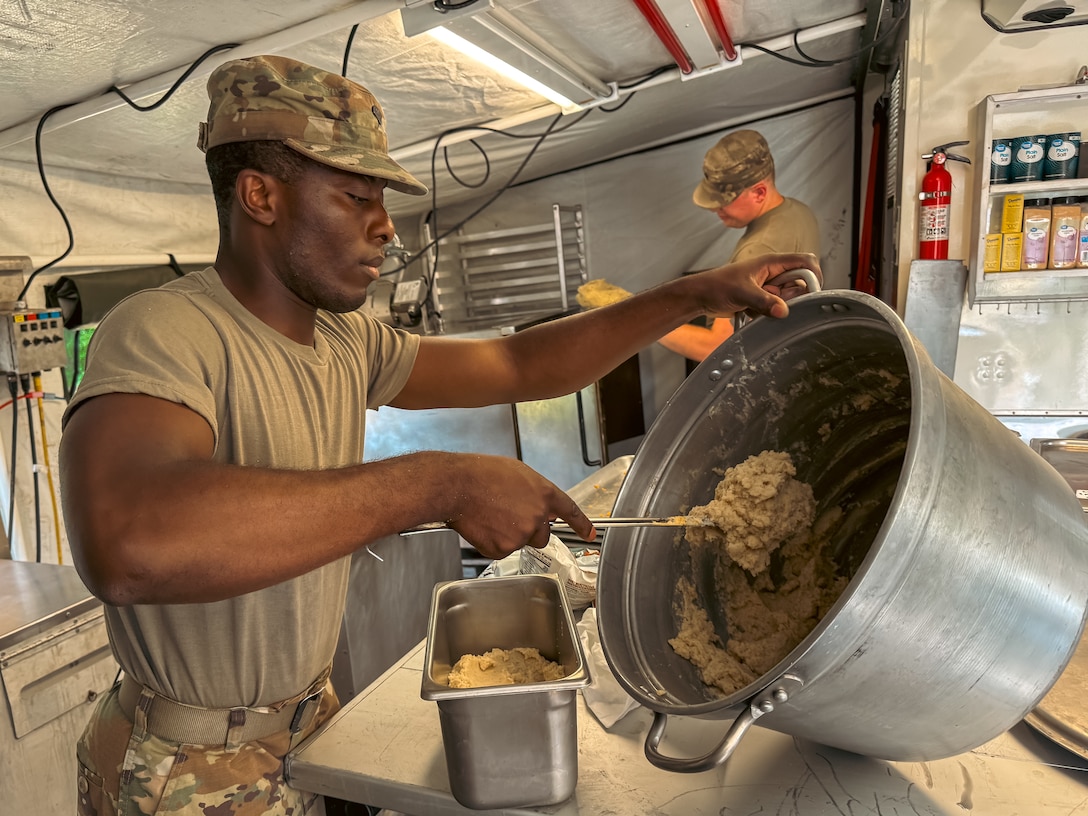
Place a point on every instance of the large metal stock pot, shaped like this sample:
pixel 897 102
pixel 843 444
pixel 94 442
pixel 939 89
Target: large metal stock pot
pixel 967 552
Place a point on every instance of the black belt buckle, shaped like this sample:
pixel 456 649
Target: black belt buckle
pixel 303 706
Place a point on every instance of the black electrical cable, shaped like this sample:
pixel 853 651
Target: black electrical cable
pixel 41 166
pixel 458 179
pixel 215 49
pixel 483 152
pixel 347 50
pixel 734 125
pixel 626 99
pixel 487 160
pixel 438 141
pixel 52 198
pixel 444 6
pixel 772 53
pixel 434 242
pixel 432 216
pixel 65 389
pixel 892 29
pixel 497 132
pixel 813 62
pixel 24 381
pixel 551 130
pixel 12 387
pixel 664 69
pixel 173 264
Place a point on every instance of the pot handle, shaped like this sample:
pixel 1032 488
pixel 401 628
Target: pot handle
pixel 763 703
pixel 698 764
pixel 806 275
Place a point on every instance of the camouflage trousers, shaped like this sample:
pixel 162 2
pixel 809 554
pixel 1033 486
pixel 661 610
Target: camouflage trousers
pixel 187 780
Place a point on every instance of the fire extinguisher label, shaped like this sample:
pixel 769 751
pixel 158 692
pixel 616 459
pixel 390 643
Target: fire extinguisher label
pixel 934 226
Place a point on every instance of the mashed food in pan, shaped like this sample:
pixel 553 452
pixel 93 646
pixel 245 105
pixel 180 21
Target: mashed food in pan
pixel 770 578
pixel 504 667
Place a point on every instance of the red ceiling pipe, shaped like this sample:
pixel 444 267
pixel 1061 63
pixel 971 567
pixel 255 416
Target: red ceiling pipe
pixel 665 33
pixel 716 18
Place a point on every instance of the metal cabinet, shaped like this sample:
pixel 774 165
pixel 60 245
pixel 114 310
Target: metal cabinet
pixel 1022 334
pixel 55 661
pixel 1043 111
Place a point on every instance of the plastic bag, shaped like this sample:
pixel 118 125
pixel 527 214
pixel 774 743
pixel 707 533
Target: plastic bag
pixel 604 695
pixel 578 574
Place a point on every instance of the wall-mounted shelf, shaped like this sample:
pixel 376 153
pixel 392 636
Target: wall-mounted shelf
pixel 1050 110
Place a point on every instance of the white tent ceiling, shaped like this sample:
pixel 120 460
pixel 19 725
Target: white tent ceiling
pixel 70 53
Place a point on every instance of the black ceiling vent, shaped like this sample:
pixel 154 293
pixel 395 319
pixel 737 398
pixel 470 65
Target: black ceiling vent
pixel 1046 16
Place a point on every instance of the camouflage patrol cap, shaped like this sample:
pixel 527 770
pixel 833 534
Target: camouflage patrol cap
pixel 735 163
pixel 320 114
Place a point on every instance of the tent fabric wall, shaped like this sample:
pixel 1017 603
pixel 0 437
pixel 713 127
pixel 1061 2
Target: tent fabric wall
pixel 111 216
pixel 123 219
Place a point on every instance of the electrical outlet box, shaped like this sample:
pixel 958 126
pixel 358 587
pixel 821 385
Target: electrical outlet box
pixel 409 294
pixel 31 340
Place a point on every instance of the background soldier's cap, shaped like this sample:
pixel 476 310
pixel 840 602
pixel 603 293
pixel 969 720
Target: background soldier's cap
pixel 320 114
pixel 735 163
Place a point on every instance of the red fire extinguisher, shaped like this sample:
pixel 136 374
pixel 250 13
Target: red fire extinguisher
pixel 936 203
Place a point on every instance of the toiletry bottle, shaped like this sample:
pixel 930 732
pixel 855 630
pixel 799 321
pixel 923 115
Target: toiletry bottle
pixel 1036 246
pixel 1064 227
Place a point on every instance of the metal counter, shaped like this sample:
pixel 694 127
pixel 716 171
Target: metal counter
pixel 35 597
pixel 55 661
pixel 385 749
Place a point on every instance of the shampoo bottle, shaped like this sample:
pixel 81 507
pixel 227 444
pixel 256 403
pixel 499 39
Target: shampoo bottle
pixel 1064 227
pixel 1036 245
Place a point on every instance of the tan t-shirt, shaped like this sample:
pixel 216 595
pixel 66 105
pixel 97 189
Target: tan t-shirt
pixel 270 402
pixel 789 227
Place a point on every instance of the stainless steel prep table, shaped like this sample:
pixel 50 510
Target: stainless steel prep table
pixel 385 748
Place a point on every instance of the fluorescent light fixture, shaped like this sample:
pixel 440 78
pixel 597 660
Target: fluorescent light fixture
pixel 447 37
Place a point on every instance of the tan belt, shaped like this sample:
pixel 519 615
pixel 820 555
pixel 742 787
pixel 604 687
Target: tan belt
pixel 179 722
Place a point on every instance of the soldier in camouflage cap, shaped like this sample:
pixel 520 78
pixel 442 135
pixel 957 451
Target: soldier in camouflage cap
pixel 232 402
pixel 739 185
pixel 735 163
pixel 320 114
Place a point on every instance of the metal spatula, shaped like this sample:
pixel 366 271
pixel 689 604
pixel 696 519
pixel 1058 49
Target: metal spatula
pixel 655 521
pixel 606 521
